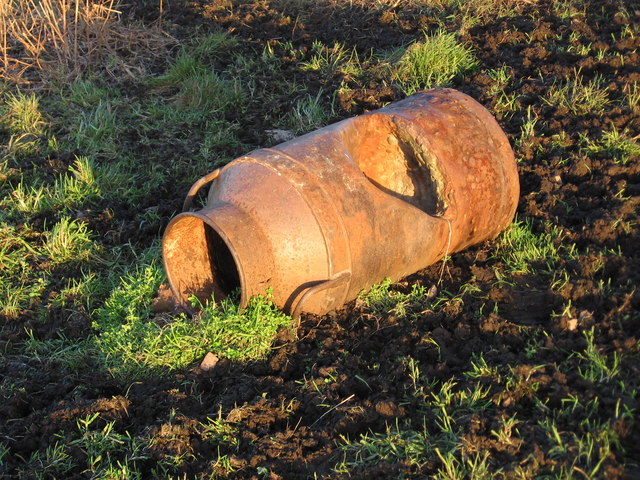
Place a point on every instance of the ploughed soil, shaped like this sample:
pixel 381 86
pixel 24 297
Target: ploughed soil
pixel 340 375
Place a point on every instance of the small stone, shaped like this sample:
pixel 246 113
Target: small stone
pixel 433 291
pixel 558 179
pixel 572 324
pixel 209 362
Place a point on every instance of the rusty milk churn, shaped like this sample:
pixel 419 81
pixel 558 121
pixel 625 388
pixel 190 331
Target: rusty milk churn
pixel 324 216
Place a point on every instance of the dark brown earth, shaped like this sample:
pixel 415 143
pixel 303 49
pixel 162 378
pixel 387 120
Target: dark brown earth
pixel 283 422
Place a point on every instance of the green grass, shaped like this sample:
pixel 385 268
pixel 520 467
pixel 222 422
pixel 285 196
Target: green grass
pixel 99 449
pixel 19 285
pixel 505 103
pixel 433 62
pixel 114 286
pixel 200 92
pixel 632 95
pixel 579 97
pixel 595 366
pixel 579 436
pixel 85 184
pixel 333 60
pixel 437 439
pixel 98 129
pixel 382 298
pixel 207 95
pixel 308 113
pixel 68 241
pixel 22 117
pixel 619 146
pixel 528 128
pixel 22 114
pixel 133 344
pixel 523 250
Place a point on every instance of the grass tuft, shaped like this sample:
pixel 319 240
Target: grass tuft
pixel 69 241
pixel 434 62
pixel 594 365
pixel 21 114
pixel 619 146
pixel 134 344
pixel 578 97
pixel 383 299
pixel 308 114
pixel 521 249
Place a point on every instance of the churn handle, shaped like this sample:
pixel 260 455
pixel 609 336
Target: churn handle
pixel 186 206
pixel 337 279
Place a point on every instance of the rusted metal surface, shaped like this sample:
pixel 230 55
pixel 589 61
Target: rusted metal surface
pixel 326 215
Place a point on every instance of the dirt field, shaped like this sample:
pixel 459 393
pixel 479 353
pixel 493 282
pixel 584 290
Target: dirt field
pixel 515 365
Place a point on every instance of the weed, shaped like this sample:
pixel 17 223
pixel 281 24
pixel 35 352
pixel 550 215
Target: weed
pixel 21 114
pixel 382 299
pixel 60 352
pixel 595 366
pixel 336 59
pixel 520 248
pixel 395 444
pixel 27 198
pixel 55 463
pixel 308 114
pixel 218 431
pixel 480 368
pixel 447 406
pixel 18 286
pixel 220 139
pixel 201 93
pixel 4 450
pixel 69 241
pixel 81 188
pixel 78 188
pixel 186 66
pixel 569 9
pixel 476 466
pixel 501 78
pixel 98 129
pixel 87 94
pixel 108 454
pixel 213 45
pixel 207 95
pixel 528 129
pixel 87 291
pixel 435 61
pixel 582 450
pixel 578 97
pixel 617 145
pixel 632 95
pixel 507 430
pixel 506 104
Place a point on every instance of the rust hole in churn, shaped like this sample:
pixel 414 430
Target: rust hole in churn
pixel 393 160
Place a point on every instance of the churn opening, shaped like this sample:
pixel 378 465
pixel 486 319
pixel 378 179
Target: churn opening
pixel 226 278
pixel 198 261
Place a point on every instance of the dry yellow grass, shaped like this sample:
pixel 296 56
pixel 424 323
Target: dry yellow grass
pixel 64 38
